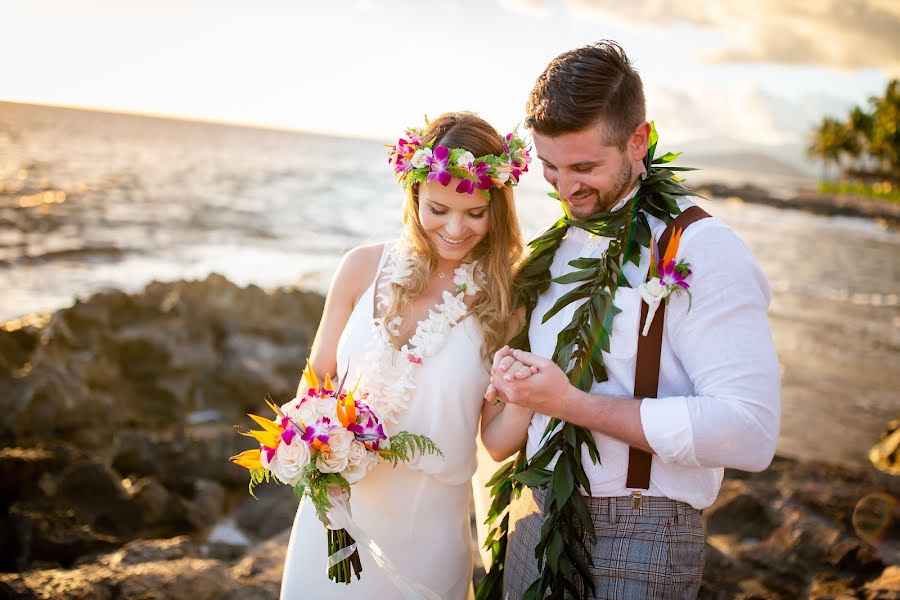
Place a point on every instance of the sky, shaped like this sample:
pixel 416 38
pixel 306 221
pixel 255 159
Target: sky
pixel 720 72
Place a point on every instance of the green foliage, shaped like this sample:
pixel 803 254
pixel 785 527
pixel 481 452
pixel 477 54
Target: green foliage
pixel 315 486
pixel 258 476
pixel 578 352
pixel 878 191
pixel 869 138
pixel 504 486
pixel 404 446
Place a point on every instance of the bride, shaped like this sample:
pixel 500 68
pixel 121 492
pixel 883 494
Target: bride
pixel 419 320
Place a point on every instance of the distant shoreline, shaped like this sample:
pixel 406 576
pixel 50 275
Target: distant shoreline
pixel 813 201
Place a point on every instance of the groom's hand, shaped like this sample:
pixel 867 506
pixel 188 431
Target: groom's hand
pixel 544 389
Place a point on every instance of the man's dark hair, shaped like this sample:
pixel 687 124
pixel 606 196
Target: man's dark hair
pixel 595 83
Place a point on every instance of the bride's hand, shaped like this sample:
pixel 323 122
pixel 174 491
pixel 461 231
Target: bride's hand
pixel 509 368
pixel 547 391
pixel 506 365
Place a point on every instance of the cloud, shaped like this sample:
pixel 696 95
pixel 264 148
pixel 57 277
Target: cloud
pixel 746 113
pixel 843 34
pixel 528 8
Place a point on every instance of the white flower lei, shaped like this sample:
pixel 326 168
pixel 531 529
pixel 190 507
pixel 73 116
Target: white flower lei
pixel 389 377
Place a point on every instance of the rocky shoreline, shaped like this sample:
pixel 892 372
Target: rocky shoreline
pixel 809 200
pixel 114 479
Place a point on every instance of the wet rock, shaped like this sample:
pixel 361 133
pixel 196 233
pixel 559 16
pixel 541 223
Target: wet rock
pixel 853 556
pixel 828 588
pixel 148 360
pixel 268 516
pixel 144 551
pixel 88 486
pixel 809 200
pixel 885 455
pixel 173 569
pixel 182 455
pixel 795 531
pixel 208 500
pixel 54 535
pixel 887 586
pixel 741 515
pixel 20 468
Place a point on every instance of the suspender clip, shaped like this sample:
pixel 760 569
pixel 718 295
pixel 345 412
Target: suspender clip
pixel 635 500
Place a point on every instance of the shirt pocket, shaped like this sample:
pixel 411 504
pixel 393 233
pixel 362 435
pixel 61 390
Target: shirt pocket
pixel 623 339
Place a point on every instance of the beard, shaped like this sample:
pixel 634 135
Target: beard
pixel 604 199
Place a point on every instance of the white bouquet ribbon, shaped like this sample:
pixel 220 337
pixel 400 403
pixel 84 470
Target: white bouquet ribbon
pixel 339 517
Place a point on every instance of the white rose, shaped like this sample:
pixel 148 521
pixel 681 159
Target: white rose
pixel 325 407
pixel 503 173
pixel 652 291
pixel 300 412
pixel 418 159
pixel 338 456
pixel 290 408
pixel 357 453
pixel 360 462
pixel 329 463
pixel 290 460
pixel 354 472
pixel 465 159
pixel 340 441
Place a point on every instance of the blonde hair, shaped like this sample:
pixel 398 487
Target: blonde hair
pixel 499 253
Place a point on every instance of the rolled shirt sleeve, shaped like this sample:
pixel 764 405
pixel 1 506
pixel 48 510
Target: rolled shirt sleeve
pixel 721 337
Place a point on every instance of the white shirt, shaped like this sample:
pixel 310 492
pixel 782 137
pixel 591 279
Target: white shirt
pixel 719 401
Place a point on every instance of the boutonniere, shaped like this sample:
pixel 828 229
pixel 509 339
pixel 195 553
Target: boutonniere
pixel 665 277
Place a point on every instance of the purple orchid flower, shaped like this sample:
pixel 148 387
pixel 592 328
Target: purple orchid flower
pixel 438 161
pixel 468 186
pixel 518 167
pixel 318 432
pixel 403 152
pixel 363 411
pixel 672 274
pixel 288 435
pixel 371 433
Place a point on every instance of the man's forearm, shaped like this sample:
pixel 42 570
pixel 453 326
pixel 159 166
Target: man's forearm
pixel 614 416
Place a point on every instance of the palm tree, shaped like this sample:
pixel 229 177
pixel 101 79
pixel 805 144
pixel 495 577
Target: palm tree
pixel 865 137
pixel 885 145
pixel 829 141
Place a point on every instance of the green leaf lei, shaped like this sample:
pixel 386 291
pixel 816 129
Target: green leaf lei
pixel 561 549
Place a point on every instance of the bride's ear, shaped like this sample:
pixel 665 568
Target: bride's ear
pixel 637 144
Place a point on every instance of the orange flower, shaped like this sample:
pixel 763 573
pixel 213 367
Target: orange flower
pixel 672 250
pixel 269 437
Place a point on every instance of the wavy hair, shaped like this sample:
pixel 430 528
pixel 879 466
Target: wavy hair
pixel 499 253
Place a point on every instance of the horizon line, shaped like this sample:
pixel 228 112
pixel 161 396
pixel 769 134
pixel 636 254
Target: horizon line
pixel 188 118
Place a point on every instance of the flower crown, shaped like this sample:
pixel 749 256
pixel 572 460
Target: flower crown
pixel 415 162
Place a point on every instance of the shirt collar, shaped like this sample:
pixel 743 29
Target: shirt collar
pixel 576 233
pixel 627 197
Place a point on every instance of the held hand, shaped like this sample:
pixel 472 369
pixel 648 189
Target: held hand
pixel 506 365
pixel 492 395
pixel 545 388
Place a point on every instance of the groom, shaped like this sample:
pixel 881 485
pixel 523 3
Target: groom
pixel 717 397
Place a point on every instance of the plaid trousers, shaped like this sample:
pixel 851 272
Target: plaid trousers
pixel 653 552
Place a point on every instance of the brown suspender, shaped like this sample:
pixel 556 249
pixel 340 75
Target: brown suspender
pixel 646 377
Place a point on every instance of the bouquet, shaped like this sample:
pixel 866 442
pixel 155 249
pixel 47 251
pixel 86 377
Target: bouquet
pixel 321 444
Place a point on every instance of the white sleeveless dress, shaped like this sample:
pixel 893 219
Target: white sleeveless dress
pixel 417 513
